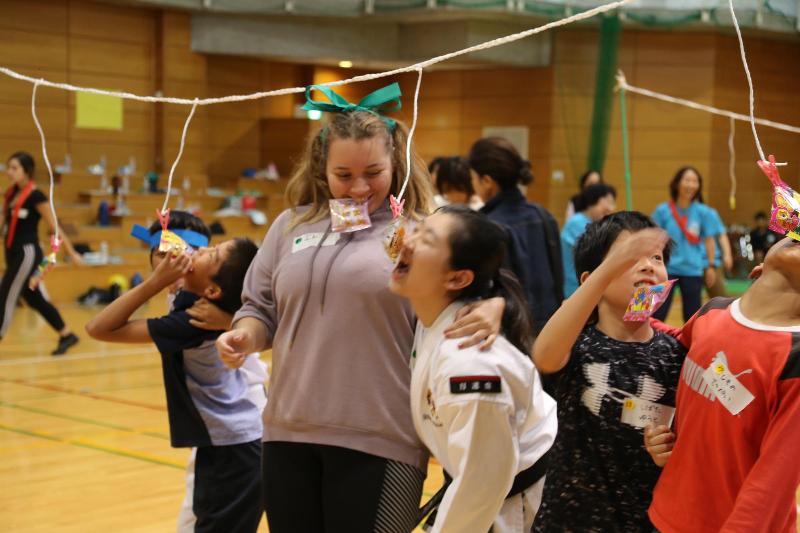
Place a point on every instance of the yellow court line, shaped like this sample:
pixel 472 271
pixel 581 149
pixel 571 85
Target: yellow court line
pixel 86 443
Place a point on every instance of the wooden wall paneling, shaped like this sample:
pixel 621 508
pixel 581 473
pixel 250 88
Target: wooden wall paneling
pixel 109 23
pixel 25 49
pixel 42 16
pixel 87 55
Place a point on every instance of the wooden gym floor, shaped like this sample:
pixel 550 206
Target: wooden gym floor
pixel 84 440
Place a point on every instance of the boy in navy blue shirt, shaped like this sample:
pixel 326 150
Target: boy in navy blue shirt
pixel 207 403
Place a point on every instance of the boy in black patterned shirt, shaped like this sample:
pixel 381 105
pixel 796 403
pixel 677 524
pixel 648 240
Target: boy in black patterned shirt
pixel 610 378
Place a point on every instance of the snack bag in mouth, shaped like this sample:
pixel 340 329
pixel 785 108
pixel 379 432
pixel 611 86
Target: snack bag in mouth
pixel 394 237
pixel 646 301
pixel 172 243
pixel 348 215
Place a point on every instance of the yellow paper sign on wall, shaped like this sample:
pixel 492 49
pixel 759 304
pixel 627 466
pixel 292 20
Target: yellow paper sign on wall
pixel 97 111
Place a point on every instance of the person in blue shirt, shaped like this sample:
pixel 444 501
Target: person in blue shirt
pixel 534 253
pixel 597 201
pixel 691 227
pixel 723 258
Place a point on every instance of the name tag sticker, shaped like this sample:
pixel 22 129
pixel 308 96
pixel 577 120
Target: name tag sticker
pixel 311 240
pixel 23 213
pixel 726 387
pixel 641 413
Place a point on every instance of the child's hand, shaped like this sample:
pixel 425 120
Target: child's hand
pixel 659 441
pixel 234 346
pixel 479 322
pixel 171 269
pixel 206 315
pixel 645 243
pixel 710 276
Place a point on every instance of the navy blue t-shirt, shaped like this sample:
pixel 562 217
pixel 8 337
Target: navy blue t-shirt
pixel 207 402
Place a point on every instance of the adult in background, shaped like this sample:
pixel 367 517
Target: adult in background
pixel 534 248
pixel 723 257
pixel 453 183
pixel 588 178
pixel 25 205
pixel 691 227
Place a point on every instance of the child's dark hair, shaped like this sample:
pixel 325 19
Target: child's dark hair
pixel 760 214
pixel 452 174
pixel 593 246
pixel 585 177
pixel 676 181
pixel 479 245
pixel 496 157
pixel 434 165
pixel 26 161
pixel 230 276
pixel 592 194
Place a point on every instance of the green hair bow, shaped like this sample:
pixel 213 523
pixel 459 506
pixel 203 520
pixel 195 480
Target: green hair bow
pixel 381 101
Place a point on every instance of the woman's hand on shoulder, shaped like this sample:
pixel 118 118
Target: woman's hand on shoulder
pixel 478 323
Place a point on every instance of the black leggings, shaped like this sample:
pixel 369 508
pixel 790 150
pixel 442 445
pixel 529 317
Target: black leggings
pixel 691 292
pixel 21 261
pixel 314 487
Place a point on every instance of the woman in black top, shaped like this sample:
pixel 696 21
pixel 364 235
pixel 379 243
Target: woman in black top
pixel 24 205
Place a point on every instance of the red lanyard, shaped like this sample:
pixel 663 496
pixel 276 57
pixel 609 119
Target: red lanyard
pixel 682 221
pixel 12 224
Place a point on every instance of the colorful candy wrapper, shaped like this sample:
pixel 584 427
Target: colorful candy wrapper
pixel 394 237
pixel 646 301
pixel 174 244
pixel 785 217
pixel 348 215
pixel 46 264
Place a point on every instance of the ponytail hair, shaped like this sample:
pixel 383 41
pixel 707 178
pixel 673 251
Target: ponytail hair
pixel 479 245
pixel 497 158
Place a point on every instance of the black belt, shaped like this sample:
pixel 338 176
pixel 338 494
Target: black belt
pixel 522 482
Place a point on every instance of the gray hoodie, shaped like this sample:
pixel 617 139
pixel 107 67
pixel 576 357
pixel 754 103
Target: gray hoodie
pixel 341 342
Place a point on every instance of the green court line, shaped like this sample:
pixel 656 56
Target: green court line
pixel 97 372
pixel 82 420
pixel 84 443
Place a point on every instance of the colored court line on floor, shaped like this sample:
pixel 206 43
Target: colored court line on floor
pixel 96 446
pixel 67 390
pixel 77 356
pixel 77 374
pixel 82 420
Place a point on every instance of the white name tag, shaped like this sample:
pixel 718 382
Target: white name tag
pixel 310 240
pixel 23 213
pixel 728 390
pixel 641 413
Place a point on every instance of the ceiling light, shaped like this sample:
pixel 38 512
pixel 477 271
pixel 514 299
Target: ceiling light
pixel 345 64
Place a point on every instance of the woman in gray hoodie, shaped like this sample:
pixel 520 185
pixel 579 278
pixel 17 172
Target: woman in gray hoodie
pixel 340 450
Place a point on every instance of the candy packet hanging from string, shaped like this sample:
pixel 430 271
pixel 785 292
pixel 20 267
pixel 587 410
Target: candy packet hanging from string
pixel 172 243
pixel 348 215
pixel 46 264
pixel 785 217
pixel 393 237
pixel 646 301
pixel 395 232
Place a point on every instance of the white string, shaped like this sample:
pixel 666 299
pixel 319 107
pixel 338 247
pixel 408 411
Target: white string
pixel 732 163
pixel 46 160
pixel 749 80
pixel 622 82
pixel 178 158
pixel 410 136
pixel 364 77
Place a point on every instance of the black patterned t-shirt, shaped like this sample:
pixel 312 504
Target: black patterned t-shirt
pixel 600 477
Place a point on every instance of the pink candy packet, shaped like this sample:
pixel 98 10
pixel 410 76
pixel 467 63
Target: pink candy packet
pixel 348 215
pixel 646 301
pixel 785 217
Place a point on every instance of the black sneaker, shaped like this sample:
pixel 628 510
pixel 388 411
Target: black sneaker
pixel 65 343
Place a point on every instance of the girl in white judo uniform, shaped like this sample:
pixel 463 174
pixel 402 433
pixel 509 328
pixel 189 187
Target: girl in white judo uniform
pixel 482 414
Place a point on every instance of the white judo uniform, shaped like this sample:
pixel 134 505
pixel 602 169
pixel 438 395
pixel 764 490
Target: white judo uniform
pixel 486 418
